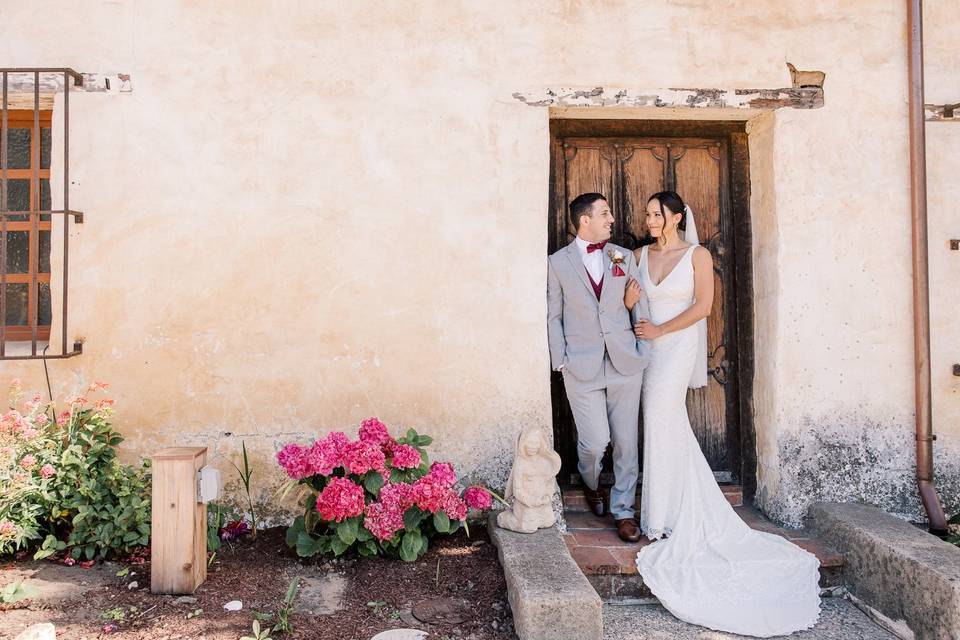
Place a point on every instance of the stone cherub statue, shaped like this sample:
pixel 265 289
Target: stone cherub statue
pixel 531 483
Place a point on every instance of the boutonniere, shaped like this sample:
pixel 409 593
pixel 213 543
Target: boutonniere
pixel 616 259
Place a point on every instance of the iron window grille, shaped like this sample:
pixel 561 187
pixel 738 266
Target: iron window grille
pixel 34 218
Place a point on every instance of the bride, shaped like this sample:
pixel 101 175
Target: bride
pixel 706 566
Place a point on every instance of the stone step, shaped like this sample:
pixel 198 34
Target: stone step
pixel 573 500
pixel 609 563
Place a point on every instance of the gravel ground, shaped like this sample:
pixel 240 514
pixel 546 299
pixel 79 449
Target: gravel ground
pixel 839 620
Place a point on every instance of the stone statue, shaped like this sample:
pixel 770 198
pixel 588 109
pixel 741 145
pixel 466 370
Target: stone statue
pixel 532 483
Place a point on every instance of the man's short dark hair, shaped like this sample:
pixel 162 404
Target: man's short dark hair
pixel 581 206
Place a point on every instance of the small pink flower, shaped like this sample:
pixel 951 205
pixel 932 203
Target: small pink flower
pixel 103 403
pixel 8 530
pixel 478 498
pixel 29 433
pixel 63 418
pixel 405 457
pixel 42 419
pixel 72 400
pixel 47 471
pixel 28 462
pixel 374 432
pixel 339 500
pixel 443 473
pixel 98 386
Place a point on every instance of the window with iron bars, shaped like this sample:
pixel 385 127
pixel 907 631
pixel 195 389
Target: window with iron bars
pixel 28 305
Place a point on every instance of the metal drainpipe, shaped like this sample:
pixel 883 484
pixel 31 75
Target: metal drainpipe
pixel 921 280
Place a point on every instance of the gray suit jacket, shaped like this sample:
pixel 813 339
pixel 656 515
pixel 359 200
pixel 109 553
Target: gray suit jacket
pixel 580 328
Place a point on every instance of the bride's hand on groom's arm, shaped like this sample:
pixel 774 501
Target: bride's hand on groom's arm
pixel 646 330
pixel 631 293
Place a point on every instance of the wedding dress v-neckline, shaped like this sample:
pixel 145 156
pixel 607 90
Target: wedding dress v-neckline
pixel 674 268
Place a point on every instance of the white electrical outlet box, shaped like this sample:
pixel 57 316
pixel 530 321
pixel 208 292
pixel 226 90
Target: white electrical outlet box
pixel 208 484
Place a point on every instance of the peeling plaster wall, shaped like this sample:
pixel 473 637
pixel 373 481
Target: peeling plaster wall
pixel 306 214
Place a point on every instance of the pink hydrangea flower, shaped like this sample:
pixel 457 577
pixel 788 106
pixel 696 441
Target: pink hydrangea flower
pixel 47 471
pixel 293 458
pixel 385 517
pixel 374 432
pixel 28 461
pixel 443 473
pixel 360 457
pixel 478 498
pixel 326 454
pixel 341 499
pixel 454 507
pixel 42 419
pixel 405 457
pixel 431 495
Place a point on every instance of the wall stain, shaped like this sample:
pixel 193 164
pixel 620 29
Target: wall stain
pixel 854 459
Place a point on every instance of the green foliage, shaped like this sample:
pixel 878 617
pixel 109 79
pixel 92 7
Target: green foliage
pixel 245 474
pixel 65 486
pixel 284 625
pixel 258 634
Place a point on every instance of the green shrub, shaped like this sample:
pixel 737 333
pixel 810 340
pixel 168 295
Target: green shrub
pixel 65 484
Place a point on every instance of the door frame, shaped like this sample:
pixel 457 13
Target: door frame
pixel 734 133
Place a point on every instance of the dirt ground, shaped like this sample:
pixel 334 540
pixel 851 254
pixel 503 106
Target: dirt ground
pixel 457 586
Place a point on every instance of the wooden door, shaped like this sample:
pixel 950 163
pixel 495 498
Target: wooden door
pixel 628 171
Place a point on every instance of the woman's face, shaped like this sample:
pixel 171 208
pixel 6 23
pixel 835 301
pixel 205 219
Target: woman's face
pixel 659 222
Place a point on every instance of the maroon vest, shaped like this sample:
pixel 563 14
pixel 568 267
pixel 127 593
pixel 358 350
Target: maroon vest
pixel 597 288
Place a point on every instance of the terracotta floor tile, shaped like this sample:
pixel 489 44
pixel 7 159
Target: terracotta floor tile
pixel 627 557
pixel 828 556
pixel 595 560
pixel 600 538
pixel 589 521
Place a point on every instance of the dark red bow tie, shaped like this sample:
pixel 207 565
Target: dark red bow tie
pixel 596 246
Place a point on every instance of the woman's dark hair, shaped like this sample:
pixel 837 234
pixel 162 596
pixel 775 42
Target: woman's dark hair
pixel 671 200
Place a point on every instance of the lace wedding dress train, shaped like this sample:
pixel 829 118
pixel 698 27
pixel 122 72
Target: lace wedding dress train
pixel 711 569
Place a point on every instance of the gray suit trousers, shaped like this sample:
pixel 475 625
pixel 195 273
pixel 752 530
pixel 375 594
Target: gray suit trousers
pixel 608 405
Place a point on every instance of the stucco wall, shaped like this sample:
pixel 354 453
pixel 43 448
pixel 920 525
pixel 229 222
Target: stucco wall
pixel 309 214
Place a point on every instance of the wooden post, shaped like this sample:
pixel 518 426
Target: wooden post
pixel 178 546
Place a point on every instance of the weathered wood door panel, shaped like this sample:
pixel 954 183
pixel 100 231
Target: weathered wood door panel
pixel 627 171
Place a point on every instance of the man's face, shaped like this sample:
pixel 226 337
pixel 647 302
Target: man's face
pixel 598 226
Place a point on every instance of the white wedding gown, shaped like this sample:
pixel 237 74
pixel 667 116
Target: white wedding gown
pixel 711 569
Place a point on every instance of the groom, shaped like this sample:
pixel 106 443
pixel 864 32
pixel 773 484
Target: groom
pixel 592 344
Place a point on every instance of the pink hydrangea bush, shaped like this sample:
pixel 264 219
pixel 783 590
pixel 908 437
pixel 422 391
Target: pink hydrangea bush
pixel 376 494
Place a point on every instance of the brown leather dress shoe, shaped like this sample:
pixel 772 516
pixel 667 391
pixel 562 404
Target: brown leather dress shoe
pixel 595 501
pixel 628 530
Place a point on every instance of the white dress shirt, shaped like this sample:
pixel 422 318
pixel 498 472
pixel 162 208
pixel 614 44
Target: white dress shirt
pixel 592 261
